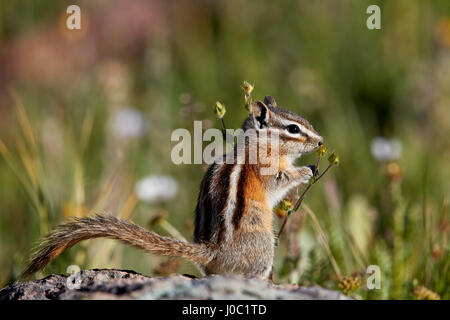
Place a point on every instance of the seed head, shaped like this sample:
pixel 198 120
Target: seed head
pixel 247 87
pixel 322 151
pixel 220 110
pixel 333 159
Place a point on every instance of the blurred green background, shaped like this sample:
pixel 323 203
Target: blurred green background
pixel 86 118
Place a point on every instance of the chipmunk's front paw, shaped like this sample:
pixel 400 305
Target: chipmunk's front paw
pixel 314 169
pixel 306 173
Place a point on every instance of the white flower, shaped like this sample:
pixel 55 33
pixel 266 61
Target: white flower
pixel 156 188
pixel 129 123
pixel 386 149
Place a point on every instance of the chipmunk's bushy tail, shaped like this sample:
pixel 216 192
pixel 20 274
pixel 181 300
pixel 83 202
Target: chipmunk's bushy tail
pixel 68 234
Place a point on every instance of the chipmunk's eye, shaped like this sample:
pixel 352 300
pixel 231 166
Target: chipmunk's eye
pixel 293 128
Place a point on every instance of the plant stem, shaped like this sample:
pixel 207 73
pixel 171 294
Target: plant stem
pixel 329 166
pixel 302 196
pixel 324 240
pixel 224 128
pixel 223 124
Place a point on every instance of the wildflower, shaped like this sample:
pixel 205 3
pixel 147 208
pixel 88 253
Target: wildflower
pixel 220 110
pixel 156 188
pixel 333 159
pixel 349 284
pixel 386 149
pixel 422 293
pixel 280 213
pixel 322 151
pixel 129 123
pixel 436 251
pixel 283 208
pixel 395 171
pixel 247 87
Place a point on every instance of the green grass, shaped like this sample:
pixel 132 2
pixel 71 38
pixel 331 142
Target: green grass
pixel 60 157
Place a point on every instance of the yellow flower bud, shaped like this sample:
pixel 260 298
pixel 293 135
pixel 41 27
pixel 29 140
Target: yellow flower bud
pixel 333 159
pixel 220 110
pixel 283 208
pixel 286 204
pixel 247 87
pixel 280 213
pixel 322 151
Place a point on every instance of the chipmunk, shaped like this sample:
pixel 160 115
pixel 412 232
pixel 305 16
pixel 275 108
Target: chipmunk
pixel 233 217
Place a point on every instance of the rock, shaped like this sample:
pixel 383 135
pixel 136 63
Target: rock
pixel 124 284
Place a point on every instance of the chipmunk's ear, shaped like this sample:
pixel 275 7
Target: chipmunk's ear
pixel 261 115
pixel 270 102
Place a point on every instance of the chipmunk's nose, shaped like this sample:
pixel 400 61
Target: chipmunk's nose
pixel 320 143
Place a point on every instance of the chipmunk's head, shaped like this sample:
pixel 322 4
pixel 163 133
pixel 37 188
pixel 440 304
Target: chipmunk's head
pixel 296 134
